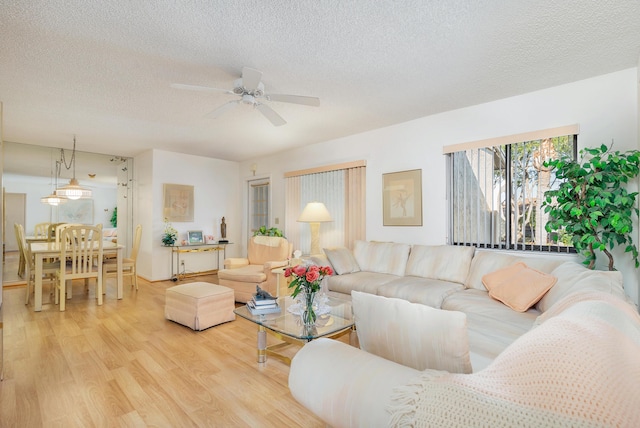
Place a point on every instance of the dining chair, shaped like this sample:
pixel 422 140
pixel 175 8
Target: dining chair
pixel 81 248
pixel 110 266
pixel 41 230
pixel 51 231
pixel 48 269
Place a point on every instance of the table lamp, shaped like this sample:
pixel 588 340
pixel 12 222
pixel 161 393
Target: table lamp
pixel 314 214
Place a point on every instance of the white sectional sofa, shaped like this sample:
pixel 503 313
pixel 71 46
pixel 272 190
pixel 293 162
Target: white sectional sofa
pixel 571 359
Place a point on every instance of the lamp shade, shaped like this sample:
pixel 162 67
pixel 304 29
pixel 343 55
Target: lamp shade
pixel 53 199
pixel 314 212
pixel 73 190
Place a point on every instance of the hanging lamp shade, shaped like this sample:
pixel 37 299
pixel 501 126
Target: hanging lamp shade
pixel 53 200
pixel 73 190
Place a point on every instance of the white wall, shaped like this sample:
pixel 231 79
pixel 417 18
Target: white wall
pixel 216 195
pixel 605 107
pixel 37 212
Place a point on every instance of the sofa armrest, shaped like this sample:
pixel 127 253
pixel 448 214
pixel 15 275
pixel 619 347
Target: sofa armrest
pixel 235 262
pixel 345 386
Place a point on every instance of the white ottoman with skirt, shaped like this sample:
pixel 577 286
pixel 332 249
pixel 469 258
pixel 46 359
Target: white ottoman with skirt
pixel 199 305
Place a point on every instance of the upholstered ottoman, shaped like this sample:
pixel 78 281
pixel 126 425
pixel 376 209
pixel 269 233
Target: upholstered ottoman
pixel 199 305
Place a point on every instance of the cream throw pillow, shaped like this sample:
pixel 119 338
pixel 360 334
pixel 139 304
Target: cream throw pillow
pixel 518 286
pixel 342 260
pixel 412 334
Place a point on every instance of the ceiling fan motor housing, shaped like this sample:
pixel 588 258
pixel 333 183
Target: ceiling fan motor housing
pixel 239 89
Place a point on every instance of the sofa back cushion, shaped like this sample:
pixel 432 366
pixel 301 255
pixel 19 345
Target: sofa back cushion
pixel 443 262
pixel 485 262
pixel 342 260
pixel 412 334
pixel 574 277
pixel 381 257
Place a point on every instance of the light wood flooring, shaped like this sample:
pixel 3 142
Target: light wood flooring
pixel 123 365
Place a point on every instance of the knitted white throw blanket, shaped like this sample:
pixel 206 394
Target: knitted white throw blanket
pixel 580 368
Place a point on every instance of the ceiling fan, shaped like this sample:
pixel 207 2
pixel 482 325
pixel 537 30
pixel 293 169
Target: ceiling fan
pixel 251 91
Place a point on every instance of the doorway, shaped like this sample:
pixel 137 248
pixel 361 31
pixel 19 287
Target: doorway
pixel 258 203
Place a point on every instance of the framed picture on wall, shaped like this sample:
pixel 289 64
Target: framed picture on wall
pixel 178 202
pixel 402 198
pixel 195 237
pixel 78 211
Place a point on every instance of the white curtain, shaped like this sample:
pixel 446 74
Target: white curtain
pixel 343 193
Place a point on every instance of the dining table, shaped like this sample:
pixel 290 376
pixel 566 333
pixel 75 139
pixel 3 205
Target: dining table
pixel 51 250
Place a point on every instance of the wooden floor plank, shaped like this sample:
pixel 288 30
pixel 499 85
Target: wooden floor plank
pixel 123 364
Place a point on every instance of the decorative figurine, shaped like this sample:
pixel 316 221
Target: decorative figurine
pixel 262 294
pixel 223 229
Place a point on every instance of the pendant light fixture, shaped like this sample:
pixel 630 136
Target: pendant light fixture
pixel 53 199
pixel 73 190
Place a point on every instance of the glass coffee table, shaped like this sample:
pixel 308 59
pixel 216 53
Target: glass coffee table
pixel 335 319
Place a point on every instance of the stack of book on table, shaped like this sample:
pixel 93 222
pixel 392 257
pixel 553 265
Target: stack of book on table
pixel 262 306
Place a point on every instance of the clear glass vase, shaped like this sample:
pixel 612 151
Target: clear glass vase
pixel 308 311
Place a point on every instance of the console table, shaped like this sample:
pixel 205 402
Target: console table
pixel 176 250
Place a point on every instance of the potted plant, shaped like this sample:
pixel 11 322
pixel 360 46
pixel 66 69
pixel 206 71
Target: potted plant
pixel 170 234
pixel 263 231
pixel 591 203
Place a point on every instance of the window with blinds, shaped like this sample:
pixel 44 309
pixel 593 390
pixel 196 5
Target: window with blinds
pixel 258 205
pixel 496 191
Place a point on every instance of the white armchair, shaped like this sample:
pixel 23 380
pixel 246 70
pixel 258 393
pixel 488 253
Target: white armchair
pixel 264 253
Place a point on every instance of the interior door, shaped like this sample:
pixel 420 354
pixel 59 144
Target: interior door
pixel 15 212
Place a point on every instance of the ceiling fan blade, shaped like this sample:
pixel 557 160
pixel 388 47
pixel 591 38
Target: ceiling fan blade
pixel 222 109
pixel 270 114
pixel 295 99
pixel 251 78
pixel 199 88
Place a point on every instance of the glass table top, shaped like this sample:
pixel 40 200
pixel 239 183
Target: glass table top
pixel 335 315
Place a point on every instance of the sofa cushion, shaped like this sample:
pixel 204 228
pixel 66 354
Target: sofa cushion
pixel 381 257
pixel 574 277
pixel 415 289
pixel 518 286
pixel 445 262
pixel 492 326
pixel 368 282
pixel 342 260
pixel 249 273
pixel 410 334
pixel 485 262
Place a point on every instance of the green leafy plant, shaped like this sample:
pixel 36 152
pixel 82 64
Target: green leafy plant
pixel 114 217
pixel 263 231
pixel 592 205
pixel 170 234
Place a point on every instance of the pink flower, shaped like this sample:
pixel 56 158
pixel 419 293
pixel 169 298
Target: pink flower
pixel 312 275
pixel 299 270
pixel 287 272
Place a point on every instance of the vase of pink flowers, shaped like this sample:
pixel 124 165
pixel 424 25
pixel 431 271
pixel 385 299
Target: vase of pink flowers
pixel 306 281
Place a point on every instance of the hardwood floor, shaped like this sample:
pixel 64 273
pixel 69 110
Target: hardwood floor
pixel 123 364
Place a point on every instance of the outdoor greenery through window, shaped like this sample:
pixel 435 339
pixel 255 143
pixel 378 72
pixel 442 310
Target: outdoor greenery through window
pixel 496 195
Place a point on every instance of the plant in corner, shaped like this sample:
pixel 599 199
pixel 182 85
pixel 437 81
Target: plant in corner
pixel 592 203
pixel 263 231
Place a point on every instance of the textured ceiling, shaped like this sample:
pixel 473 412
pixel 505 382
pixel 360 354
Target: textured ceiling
pixel 103 70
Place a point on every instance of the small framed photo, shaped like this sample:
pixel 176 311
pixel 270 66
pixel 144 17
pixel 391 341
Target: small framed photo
pixel 195 237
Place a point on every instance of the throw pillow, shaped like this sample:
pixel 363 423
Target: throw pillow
pixel 518 286
pixel 342 260
pixel 412 334
pixel 493 279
